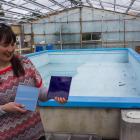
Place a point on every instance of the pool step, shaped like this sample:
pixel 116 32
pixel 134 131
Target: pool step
pixel 70 136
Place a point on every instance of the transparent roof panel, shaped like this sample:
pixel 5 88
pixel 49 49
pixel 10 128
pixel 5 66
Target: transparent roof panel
pixel 18 2
pixel 44 7
pixel 136 5
pixel 67 4
pixel 6 7
pixel 45 2
pixel 44 11
pixel 31 6
pixel 120 9
pixel 96 4
pixel 16 10
pixel 133 12
pixel 123 2
pixel 108 6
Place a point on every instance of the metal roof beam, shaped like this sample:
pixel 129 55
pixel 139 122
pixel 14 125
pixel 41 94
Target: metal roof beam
pixel 57 3
pixel 101 4
pixel 132 2
pixel 123 6
pixel 12 19
pixel 20 14
pixel 12 12
pixel 89 2
pixel 40 5
pixel 114 5
pixel 76 2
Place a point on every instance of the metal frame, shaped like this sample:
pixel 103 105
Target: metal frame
pixel 57 3
pixel 61 4
pixel 132 2
pixel 18 6
pixel 19 14
pixel 101 4
pixel 118 5
pixel 40 5
pixel 114 5
pixel 89 2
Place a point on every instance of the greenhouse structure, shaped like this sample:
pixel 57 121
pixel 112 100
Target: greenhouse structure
pixel 94 42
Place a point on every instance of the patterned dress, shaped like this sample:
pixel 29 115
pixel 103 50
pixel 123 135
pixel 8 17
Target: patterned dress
pixel 18 126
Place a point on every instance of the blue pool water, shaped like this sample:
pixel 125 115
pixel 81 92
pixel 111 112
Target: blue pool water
pixel 101 78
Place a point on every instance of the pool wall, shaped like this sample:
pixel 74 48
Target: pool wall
pixel 88 56
pixel 39 59
pixel 134 60
pixel 64 56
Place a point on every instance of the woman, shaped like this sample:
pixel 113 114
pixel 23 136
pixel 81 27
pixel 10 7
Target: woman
pixel 16 123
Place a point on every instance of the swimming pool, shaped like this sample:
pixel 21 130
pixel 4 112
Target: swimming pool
pixel 104 78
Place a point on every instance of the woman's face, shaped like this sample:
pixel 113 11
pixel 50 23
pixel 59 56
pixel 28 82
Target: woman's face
pixel 6 51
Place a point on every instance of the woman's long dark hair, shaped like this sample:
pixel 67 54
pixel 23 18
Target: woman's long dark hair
pixel 7 36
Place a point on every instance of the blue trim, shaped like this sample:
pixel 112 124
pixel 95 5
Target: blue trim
pixel 96 49
pixel 68 50
pixel 98 102
pixel 134 54
pixel 36 53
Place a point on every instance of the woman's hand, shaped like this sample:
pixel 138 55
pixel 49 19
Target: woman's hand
pixel 13 107
pixel 60 100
